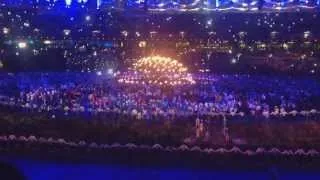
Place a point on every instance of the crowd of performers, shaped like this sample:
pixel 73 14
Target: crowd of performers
pixel 212 95
pixel 218 109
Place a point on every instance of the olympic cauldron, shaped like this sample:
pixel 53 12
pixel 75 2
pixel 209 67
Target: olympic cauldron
pixel 157 70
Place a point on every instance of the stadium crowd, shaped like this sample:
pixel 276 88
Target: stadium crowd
pixel 81 40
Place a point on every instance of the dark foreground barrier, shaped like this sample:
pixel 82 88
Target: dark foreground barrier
pixel 60 149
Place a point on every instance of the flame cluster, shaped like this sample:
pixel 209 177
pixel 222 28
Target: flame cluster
pixel 157 70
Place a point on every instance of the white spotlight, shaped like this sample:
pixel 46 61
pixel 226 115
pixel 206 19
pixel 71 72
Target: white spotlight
pixel 233 60
pixel 110 71
pixel 22 45
pixel 99 73
pixel 47 42
pixel 88 18
pixel 5 30
pixel 66 32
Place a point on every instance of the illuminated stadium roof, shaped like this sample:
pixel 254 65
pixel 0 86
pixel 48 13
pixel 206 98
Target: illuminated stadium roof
pixel 175 5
